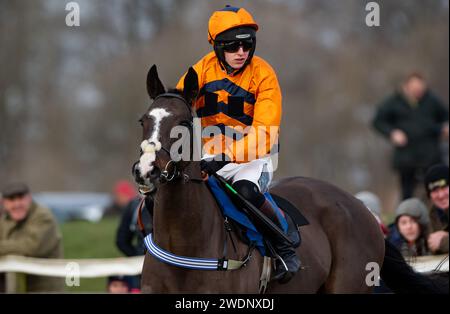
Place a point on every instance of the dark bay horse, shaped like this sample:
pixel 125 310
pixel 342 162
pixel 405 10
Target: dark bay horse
pixel 337 246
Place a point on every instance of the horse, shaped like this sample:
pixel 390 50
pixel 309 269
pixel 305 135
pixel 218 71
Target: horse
pixel 339 243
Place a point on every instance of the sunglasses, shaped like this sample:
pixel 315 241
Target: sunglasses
pixel 234 46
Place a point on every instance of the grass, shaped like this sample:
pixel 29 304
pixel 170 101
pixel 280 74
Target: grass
pixel 84 239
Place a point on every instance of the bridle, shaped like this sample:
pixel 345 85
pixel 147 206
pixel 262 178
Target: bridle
pixel 166 174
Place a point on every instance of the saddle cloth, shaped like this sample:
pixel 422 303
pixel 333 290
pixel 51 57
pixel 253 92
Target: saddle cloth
pixel 230 210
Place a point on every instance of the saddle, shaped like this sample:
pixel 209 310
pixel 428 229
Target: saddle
pixel 241 224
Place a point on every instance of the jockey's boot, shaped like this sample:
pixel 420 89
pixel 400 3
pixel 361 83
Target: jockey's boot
pixel 287 262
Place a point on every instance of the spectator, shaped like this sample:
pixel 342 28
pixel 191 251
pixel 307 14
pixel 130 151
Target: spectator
pixel 129 238
pixel 410 230
pixel 414 120
pixel 119 284
pixel 372 202
pixel 29 229
pixel 123 193
pixel 436 185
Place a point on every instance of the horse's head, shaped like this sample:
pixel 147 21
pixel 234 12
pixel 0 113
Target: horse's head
pixel 167 130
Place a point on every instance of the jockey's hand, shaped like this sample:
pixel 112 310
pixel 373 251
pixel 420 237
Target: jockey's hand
pixel 212 165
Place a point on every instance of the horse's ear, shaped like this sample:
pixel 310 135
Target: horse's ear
pixel 190 90
pixel 154 85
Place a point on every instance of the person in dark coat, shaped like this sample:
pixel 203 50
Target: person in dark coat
pixel 436 185
pixel 129 238
pixel 415 121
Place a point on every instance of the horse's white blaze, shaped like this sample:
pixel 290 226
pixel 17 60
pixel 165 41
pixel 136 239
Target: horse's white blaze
pixel 152 145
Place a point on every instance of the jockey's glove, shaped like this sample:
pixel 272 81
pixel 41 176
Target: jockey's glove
pixel 214 164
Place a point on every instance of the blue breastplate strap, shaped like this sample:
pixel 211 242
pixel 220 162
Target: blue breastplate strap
pixel 192 262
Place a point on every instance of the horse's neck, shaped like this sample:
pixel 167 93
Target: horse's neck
pixel 185 219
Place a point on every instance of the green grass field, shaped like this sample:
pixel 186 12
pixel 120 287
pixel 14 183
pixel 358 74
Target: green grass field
pixel 84 239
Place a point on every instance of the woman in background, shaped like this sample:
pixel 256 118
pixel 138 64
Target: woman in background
pixel 410 229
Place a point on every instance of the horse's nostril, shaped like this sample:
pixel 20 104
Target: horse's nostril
pixel 135 169
pixel 155 173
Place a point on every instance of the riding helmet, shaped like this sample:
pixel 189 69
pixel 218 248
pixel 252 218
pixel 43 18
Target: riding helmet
pixel 230 24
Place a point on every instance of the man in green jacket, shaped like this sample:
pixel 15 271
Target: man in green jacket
pixel 415 121
pixel 30 230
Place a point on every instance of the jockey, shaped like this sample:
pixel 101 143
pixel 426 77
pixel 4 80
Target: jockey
pixel 240 92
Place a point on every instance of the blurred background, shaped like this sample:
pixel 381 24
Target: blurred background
pixel 70 97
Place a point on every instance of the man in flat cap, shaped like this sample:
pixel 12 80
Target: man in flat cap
pixel 29 229
pixel 436 185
